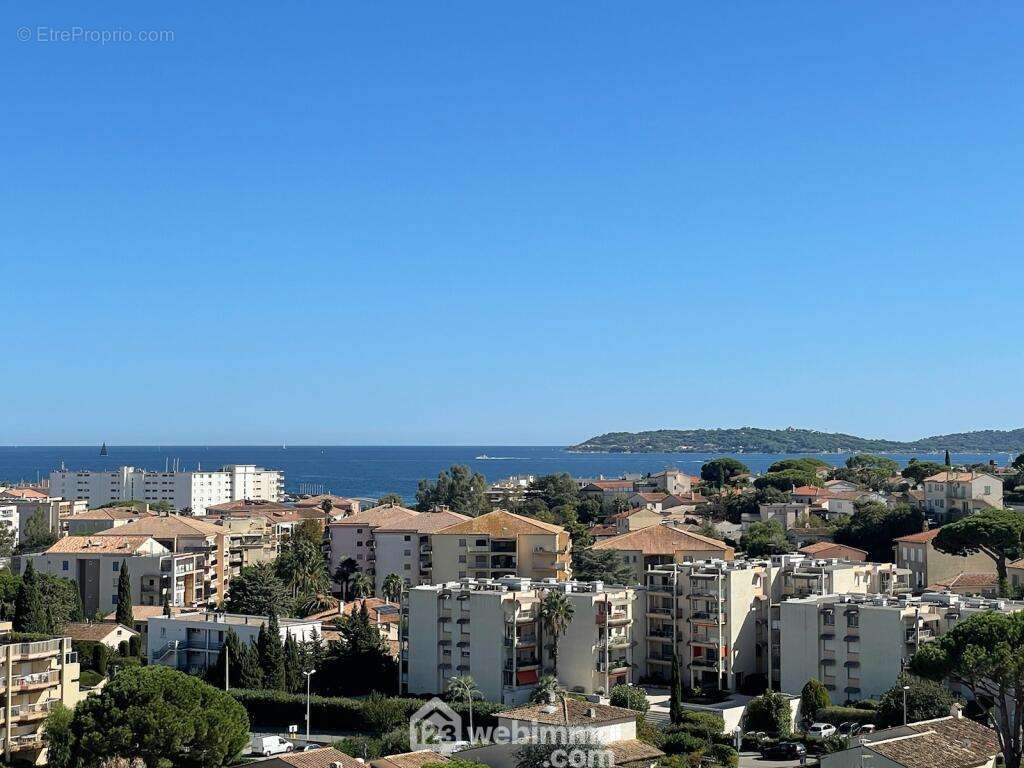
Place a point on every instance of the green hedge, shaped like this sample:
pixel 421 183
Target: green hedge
pixel 338 713
pixel 836 715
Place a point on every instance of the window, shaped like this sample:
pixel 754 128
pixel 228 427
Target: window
pixel 407 552
pixel 462 542
pixel 407 567
pixel 407 538
pixel 481 542
pixel 462 558
pixel 853 619
pixel 462 574
pixel 117 566
pixel 64 567
pixel 113 599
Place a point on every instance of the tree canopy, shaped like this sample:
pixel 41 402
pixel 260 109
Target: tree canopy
pixel 926 700
pixel 985 654
pixel 804 464
pixel 813 697
pixel 786 480
pixel 457 488
pixel 874 526
pixel 993 532
pixel 917 471
pixel 763 539
pixel 605 565
pixel 160 716
pixel 722 470
pixel 257 591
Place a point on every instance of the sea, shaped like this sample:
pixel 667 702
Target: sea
pixel 368 472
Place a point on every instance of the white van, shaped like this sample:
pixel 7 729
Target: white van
pixel 270 745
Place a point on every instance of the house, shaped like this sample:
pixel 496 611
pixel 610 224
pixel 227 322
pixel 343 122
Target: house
pixel 322 757
pixel 602 531
pixel 785 513
pixel 828 550
pixel 409 760
pixel 927 565
pixel 340 505
pixel 96 520
pixel 952 494
pixel 670 481
pixel 662 544
pixel 498 544
pixel 983 584
pixel 110 633
pixel 142 613
pixel 953 741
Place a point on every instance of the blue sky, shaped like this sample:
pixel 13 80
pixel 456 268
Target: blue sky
pixel 463 222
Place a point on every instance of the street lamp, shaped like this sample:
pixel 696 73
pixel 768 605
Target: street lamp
pixel 905 689
pixel 309 676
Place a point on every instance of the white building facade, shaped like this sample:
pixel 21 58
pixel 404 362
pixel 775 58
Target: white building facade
pixel 195 490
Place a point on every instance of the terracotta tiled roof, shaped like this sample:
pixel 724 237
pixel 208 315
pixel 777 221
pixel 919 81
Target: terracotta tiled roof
pixel 109 513
pixel 24 493
pixel 611 485
pixel 162 526
pixel 812 490
pixel 653 497
pixel 144 612
pixel 316 501
pixel 248 505
pixel 950 742
pixel 956 477
pixel 409 760
pixel 633 750
pixel 919 538
pixel 664 540
pixel 94 631
pixel 501 523
pixel 97 543
pixel 386 514
pixel 602 530
pixel 966 581
pixel 324 757
pixel 829 550
pixel 579 713
pixel 379 611
pixel 425 522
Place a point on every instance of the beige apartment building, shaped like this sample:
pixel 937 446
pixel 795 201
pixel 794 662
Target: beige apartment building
pixel 714 614
pixel 249 540
pixel 96 520
pixel 404 547
pixel 95 562
pixel 492 630
pixel 187 535
pixel 927 565
pixel 36 677
pixel 857 645
pixel 950 495
pixel 660 545
pixel 353 536
pixel 500 544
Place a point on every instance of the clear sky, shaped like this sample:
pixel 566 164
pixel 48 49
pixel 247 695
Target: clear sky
pixel 472 222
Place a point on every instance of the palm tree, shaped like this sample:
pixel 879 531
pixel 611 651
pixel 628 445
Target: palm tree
pixel 546 691
pixel 327 505
pixel 463 688
pixel 391 589
pixel 555 614
pixel 343 575
pixel 362 585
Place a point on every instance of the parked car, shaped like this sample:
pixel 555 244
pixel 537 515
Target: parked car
pixel 847 728
pixel 821 731
pixel 784 750
pixel 866 729
pixel 270 745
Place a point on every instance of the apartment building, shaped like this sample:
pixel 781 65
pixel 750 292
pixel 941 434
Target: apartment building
pixel 659 545
pixel 95 562
pixel 785 513
pixel 192 641
pixel 404 547
pixel 95 520
pixel 36 677
pixel 51 509
pixel 950 495
pixel 492 630
pixel 187 535
pixel 195 490
pixel 857 645
pixel 353 537
pixel 928 566
pixel 797 575
pixel 713 615
pixel 499 544
pixel 281 519
pixel 249 540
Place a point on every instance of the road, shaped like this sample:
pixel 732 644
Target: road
pixel 753 760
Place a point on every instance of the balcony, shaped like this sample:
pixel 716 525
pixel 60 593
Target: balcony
pixel 27 741
pixel 704 662
pixel 28 712
pixel 35 680
pixel 615 618
pixel 619 642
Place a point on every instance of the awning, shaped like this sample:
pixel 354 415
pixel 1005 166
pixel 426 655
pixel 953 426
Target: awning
pixel 526 677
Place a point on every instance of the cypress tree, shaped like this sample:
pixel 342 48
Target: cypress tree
pixel 949 459
pixel 249 673
pixel 271 654
pixel 29 612
pixel 292 665
pixel 231 654
pixel 675 712
pixel 124 597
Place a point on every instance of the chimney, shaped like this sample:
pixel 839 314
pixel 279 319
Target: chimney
pixel 956 711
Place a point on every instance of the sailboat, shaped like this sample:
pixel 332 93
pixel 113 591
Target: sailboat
pixel 103 450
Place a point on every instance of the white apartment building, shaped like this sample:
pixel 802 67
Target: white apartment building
pixel 491 629
pixel 184 490
pixel 951 494
pixel 857 645
pixel 191 642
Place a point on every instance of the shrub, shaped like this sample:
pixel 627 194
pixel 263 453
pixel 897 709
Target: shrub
pixel 813 697
pixel 681 743
pixel 649 733
pixel 864 704
pixel 837 715
pixel 768 712
pixel 926 700
pixel 629 697
pixel 723 754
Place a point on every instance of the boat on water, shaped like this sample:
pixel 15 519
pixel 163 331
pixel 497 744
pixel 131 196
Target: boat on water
pixel 483 456
pixel 103 450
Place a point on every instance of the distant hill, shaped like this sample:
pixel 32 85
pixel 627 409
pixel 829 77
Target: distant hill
pixel 754 440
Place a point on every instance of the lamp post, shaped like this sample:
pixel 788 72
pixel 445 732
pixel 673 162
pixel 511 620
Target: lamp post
pixel 309 676
pixel 905 689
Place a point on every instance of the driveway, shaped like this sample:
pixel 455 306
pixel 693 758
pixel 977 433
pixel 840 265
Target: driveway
pixel 753 760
